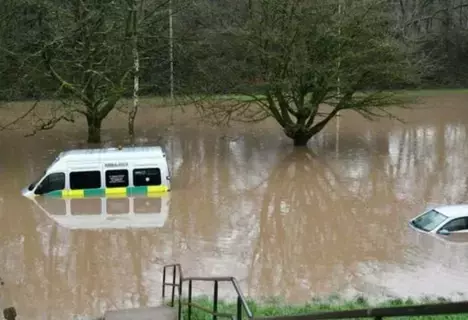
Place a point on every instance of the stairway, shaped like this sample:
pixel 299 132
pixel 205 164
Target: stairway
pixel 174 311
pixel 150 313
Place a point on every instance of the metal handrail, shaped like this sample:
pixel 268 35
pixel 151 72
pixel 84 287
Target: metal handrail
pixel 241 301
pixel 379 313
pixel 376 313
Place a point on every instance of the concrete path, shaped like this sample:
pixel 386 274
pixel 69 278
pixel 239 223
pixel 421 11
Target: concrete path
pixel 151 313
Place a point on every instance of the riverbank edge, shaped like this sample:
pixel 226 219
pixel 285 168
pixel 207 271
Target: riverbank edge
pixel 279 307
pixel 165 101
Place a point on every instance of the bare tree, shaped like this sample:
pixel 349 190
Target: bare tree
pixel 84 52
pixel 308 61
pixel 132 26
pixel 145 28
pixel 90 50
pixel 439 30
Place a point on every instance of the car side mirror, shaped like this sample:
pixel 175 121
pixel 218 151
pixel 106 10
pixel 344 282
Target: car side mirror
pixel 444 232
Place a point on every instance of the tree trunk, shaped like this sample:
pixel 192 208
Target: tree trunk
pixel 301 139
pixel 136 70
pixel 94 129
pixel 300 136
pixel 136 85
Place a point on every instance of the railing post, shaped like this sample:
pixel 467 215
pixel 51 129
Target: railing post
pixel 174 270
pixel 164 283
pixel 189 300
pixel 215 300
pixel 239 308
pixel 180 298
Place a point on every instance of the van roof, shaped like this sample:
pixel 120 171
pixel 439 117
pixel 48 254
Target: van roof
pixel 152 151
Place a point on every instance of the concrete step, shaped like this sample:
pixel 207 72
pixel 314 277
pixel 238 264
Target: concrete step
pixel 149 313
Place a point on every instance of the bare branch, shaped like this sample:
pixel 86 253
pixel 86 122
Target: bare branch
pixel 63 84
pixel 22 117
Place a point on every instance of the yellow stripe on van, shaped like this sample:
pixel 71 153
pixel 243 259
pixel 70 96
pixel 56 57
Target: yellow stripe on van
pixel 116 191
pixel 73 193
pixel 156 189
pixel 155 194
pixel 116 196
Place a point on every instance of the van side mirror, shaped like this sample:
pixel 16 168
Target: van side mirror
pixel 444 232
pixel 38 189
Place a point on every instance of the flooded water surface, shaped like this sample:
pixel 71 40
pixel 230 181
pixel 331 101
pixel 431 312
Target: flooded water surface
pixel 296 223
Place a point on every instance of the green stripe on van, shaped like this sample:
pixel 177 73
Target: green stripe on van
pixel 137 190
pixel 57 193
pixel 94 193
pixel 102 192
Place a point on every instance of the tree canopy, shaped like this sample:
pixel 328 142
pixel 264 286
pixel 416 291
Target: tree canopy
pixel 310 60
pixel 300 62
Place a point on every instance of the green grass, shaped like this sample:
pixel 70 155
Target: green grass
pixel 164 101
pixel 277 307
pixel 411 93
pixel 431 92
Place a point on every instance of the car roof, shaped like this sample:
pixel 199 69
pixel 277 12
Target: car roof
pixel 454 211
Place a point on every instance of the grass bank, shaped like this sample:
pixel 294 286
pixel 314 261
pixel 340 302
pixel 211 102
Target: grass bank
pixel 181 100
pixel 277 307
pixel 165 101
pixel 430 92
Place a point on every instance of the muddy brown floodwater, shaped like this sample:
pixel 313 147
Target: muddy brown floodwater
pixel 292 223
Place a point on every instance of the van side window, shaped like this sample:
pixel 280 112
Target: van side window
pixel 116 178
pixel 53 182
pixel 146 177
pixel 85 180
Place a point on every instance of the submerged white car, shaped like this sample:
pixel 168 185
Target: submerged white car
pixel 443 220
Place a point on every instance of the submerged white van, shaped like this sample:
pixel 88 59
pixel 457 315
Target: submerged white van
pixel 104 172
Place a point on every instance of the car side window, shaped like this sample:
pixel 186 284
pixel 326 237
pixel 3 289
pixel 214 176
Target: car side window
pixel 53 182
pixel 458 224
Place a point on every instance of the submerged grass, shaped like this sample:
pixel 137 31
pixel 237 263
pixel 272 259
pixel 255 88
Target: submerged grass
pixel 165 101
pixel 277 307
pixel 407 94
pixel 401 93
pixel 430 92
